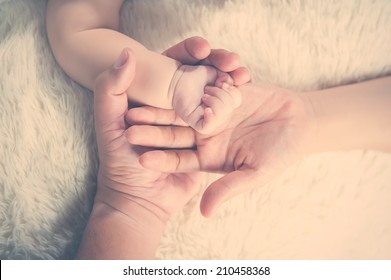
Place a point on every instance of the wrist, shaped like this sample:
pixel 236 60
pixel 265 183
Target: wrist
pixel 354 116
pixel 174 82
pixel 137 217
pixel 112 234
pixel 326 124
pixel 120 228
pixel 311 145
pixel 118 197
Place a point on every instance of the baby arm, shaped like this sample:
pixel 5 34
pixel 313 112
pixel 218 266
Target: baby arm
pixel 84 39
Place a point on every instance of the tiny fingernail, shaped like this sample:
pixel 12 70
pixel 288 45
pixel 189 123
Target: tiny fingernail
pixel 230 80
pixel 226 86
pixel 122 59
pixel 208 111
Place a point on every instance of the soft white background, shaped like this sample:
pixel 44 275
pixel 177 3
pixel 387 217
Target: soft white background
pixel 328 206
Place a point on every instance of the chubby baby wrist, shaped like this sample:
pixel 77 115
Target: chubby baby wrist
pixel 174 82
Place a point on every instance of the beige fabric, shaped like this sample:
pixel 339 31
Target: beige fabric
pixel 328 206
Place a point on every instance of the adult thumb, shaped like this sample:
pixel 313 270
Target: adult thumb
pixel 110 99
pixel 225 188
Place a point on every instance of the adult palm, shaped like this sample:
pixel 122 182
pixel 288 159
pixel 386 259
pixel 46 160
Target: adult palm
pixel 267 133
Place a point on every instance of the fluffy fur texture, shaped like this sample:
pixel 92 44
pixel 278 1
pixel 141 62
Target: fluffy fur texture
pixel 328 206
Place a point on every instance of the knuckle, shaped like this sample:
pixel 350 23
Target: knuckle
pixel 171 137
pixel 177 161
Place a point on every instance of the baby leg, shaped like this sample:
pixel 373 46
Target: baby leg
pixel 188 86
pixel 219 102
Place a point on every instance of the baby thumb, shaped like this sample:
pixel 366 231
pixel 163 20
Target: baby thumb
pixel 110 99
pixel 224 189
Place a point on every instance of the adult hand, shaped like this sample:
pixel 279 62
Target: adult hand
pixel 265 134
pixel 121 179
pixel 132 204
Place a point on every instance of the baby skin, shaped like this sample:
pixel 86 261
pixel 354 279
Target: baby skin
pixel 203 97
pixel 84 39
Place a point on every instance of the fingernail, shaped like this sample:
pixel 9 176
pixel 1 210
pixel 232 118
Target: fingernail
pixel 226 86
pixel 230 80
pixel 208 111
pixel 122 59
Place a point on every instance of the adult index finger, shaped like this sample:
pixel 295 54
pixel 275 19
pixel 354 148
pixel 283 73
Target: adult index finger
pixel 174 137
pixel 153 116
pixel 171 161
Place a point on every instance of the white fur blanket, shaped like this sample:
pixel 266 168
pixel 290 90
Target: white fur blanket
pixel 328 206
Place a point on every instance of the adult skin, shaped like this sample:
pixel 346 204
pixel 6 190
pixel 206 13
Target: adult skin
pixel 132 204
pixel 272 129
